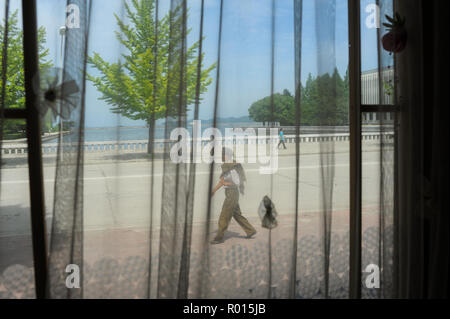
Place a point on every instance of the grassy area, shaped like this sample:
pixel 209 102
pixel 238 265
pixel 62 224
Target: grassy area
pixel 13 136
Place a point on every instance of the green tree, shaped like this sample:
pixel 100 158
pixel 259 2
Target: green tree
pixel 308 102
pixel 324 101
pixel 15 85
pixel 343 98
pixel 137 88
pixel 330 101
pixel 283 104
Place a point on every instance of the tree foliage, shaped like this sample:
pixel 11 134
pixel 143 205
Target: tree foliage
pixel 324 101
pixel 261 111
pixel 15 79
pixel 146 82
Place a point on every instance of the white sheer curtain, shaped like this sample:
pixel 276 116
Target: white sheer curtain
pixel 307 255
pixel 138 224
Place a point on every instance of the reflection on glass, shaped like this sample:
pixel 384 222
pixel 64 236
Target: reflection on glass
pixel 377 64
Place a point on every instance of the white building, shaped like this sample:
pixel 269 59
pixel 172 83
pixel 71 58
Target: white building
pixel 370 93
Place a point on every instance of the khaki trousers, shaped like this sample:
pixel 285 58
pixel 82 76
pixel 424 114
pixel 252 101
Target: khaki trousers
pixel 230 209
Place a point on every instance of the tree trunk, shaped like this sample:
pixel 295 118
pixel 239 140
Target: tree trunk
pixel 151 139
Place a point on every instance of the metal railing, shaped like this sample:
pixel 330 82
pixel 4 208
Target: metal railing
pixel 142 145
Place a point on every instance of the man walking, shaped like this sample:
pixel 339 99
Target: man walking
pixel 232 179
pixel 281 139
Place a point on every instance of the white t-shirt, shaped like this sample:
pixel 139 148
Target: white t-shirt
pixel 232 177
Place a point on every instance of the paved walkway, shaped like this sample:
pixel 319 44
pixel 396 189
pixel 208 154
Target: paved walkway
pixel 117 202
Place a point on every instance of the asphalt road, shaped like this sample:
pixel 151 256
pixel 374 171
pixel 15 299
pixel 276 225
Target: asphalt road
pixel 117 201
pixel 117 193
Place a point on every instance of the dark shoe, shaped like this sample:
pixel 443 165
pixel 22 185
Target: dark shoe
pixel 217 241
pixel 251 235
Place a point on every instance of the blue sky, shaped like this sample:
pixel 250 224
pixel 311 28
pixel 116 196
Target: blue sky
pixel 246 48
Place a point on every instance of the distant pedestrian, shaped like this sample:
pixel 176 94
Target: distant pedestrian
pixel 281 139
pixel 232 178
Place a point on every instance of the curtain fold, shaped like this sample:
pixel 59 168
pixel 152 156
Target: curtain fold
pixel 387 81
pixel 5 32
pixel 410 200
pixel 325 14
pixel 421 205
pixel 173 254
pixel 66 241
pixel 438 165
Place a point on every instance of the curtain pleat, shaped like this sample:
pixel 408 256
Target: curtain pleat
pixel 298 13
pixel 3 79
pixel 204 285
pixel 66 241
pixel 325 14
pixel 173 254
pixel 386 78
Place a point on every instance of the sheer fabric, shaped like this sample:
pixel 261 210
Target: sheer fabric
pixel 16 270
pixel 381 235
pixel 66 243
pixel 137 223
pixel 275 264
pixel 422 179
